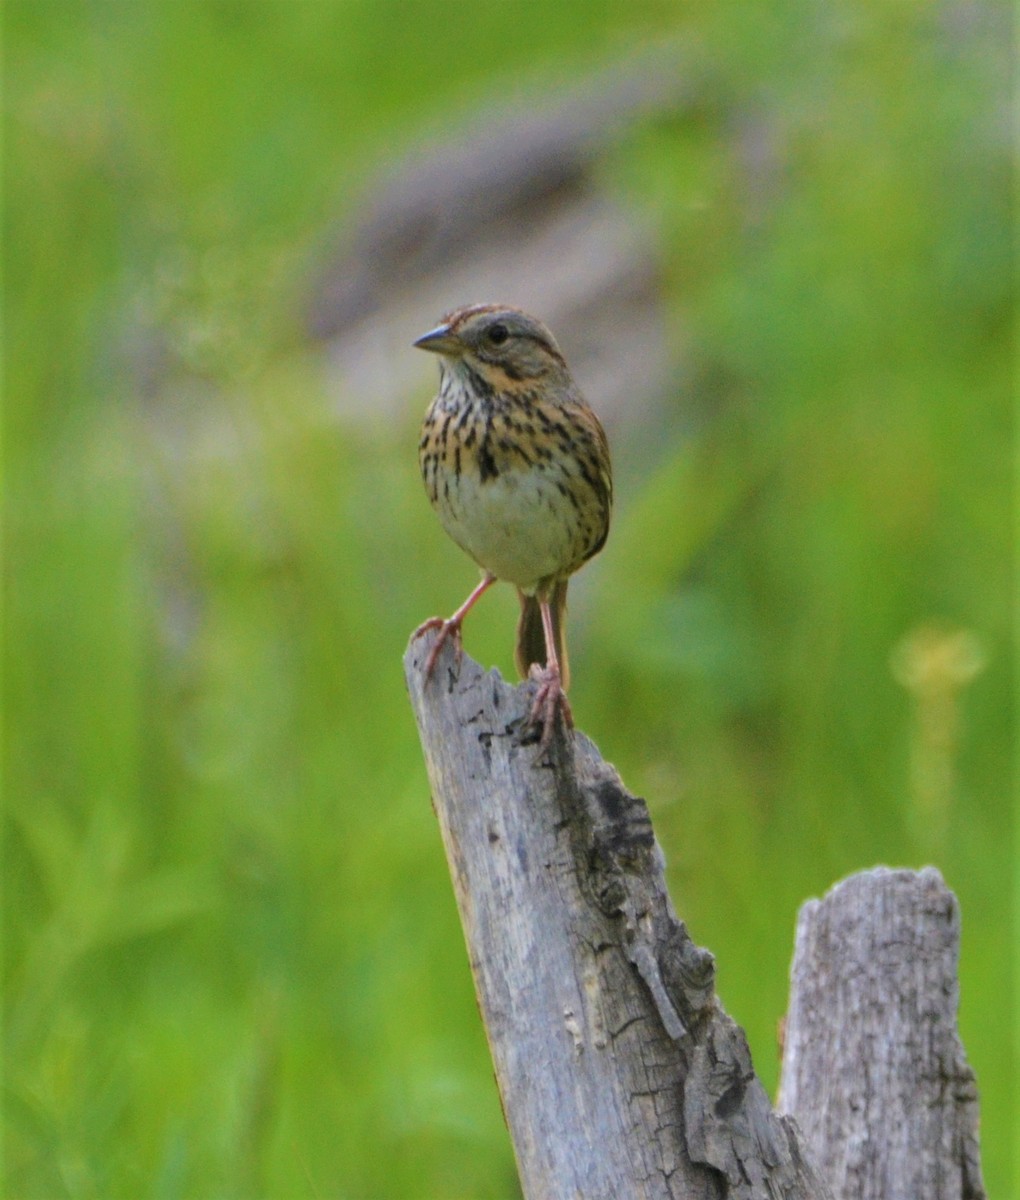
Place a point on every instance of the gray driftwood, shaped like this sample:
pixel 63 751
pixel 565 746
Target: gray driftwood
pixel 620 1074
pixel 873 1068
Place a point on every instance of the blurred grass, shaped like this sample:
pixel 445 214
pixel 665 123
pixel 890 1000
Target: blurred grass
pixel 232 962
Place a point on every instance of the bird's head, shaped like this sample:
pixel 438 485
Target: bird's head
pixel 506 347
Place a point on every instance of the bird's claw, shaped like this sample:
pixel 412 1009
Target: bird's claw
pixel 550 698
pixel 447 629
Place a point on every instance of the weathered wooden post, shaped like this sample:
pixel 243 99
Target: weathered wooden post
pixel 620 1073
pixel 873 1067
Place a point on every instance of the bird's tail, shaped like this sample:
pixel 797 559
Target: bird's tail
pixel 531 647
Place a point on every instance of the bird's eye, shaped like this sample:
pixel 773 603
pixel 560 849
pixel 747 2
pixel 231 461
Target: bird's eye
pixel 498 334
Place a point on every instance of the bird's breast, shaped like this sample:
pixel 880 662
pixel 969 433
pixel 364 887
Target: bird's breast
pixel 512 488
pixel 513 523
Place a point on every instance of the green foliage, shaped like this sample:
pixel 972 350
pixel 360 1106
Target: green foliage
pixel 232 962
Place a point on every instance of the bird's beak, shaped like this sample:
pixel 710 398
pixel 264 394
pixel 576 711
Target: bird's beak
pixel 441 340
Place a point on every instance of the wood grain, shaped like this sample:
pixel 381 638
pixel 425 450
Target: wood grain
pixel 873 1067
pixel 621 1076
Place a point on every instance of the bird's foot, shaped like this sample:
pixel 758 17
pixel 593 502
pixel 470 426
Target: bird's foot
pixel 449 628
pixel 549 699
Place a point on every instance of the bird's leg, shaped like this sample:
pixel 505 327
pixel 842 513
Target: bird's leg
pixel 451 626
pixel 550 695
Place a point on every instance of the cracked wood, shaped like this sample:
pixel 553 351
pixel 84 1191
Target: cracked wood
pixel 873 1067
pixel 620 1074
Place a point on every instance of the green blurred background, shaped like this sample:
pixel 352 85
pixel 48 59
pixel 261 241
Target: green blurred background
pixel 233 965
